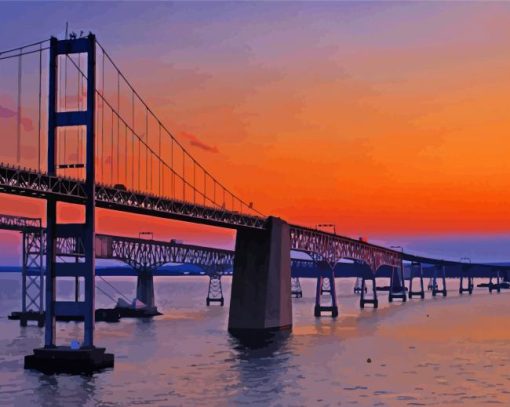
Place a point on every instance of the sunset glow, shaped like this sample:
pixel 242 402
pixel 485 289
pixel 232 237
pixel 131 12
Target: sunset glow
pixel 385 119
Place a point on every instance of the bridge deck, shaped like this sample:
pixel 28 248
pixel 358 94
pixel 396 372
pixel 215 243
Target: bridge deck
pixel 34 184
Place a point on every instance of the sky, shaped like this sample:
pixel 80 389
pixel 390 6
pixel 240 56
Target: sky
pixel 386 119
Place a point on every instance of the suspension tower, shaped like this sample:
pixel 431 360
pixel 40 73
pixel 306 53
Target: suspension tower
pixel 79 357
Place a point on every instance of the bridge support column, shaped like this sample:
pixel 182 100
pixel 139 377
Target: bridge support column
pixel 397 286
pixel 363 300
pixel 496 286
pixel 416 271
pixel 466 273
pixel 358 285
pixel 32 280
pixel 326 286
pixel 215 291
pixel 75 357
pixel 145 291
pixel 329 288
pixel 435 287
pixel 261 292
pixel 296 290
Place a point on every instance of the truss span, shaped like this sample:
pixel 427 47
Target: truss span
pixel 323 246
pixel 150 254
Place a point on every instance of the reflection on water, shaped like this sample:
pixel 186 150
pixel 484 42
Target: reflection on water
pixel 434 352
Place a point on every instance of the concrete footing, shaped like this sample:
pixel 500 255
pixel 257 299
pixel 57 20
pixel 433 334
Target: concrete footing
pixel 261 283
pixel 63 359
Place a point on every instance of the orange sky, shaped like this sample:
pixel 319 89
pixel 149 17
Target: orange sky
pixel 385 119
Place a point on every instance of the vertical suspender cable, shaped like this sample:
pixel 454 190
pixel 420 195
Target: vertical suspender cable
pixel 118 127
pixel 132 160
pixel 172 162
pixel 39 111
pixel 102 122
pixel 18 124
pixel 79 135
pixel 125 153
pixel 139 162
pixel 146 150
pixel 64 159
pixel 133 137
pixel 111 150
pixel 194 182
pixel 160 158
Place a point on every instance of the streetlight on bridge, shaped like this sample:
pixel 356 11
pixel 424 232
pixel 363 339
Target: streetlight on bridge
pixel 149 235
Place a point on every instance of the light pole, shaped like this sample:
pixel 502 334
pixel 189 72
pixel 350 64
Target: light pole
pixel 141 234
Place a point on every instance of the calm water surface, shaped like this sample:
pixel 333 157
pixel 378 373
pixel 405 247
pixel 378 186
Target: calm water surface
pixel 433 352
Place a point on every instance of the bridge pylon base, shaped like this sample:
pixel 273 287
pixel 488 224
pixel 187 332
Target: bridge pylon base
pixel 319 309
pixel 63 359
pixel 397 287
pixel 261 292
pixel 215 291
pixel 469 288
pixel 363 300
pixel 357 286
pixel 496 286
pixel 435 285
pixel 416 271
pixel 326 285
pixel 296 290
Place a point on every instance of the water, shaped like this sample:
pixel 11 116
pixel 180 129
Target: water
pixel 453 350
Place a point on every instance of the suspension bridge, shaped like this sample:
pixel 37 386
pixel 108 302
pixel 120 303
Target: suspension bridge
pixel 78 132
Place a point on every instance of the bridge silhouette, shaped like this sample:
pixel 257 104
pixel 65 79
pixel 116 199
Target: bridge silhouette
pixel 98 144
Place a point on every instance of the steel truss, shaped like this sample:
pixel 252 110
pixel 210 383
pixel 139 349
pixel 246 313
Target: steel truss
pixel 332 248
pixel 31 183
pixel 145 255
pixel 32 265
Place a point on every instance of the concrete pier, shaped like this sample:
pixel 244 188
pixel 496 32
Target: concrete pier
pixel 145 292
pixel 261 284
pixel 145 288
pixel 397 287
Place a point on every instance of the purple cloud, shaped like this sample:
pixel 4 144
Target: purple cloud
pixel 196 142
pixel 6 113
